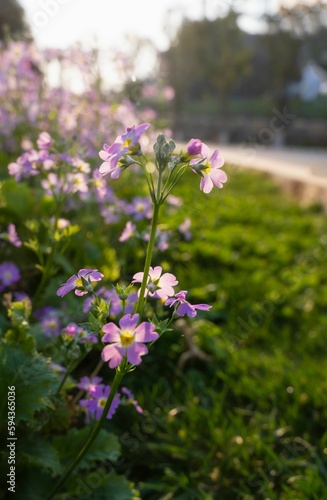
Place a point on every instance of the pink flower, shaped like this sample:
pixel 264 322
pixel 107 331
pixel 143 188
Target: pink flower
pixel 76 282
pixel 98 398
pixel 132 135
pixel 194 147
pixel 44 141
pixel 13 236
pixel 128 340
pixel 158 286
pixel 183 307
pixel 111 156
pixel 128 232
pixel 209 169
pixel 124 144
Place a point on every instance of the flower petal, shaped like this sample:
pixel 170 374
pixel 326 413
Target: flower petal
pixel 112 333
pixel 155 273
pixel 206 184
pixel 129 322
pixel 145 333
pixel 114 354
pixel 137 278
pixel 134 353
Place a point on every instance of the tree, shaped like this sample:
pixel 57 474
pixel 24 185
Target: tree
pixel 12 20
pixel 294 36
pixel 207 57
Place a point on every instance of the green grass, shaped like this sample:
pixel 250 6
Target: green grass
pixel 247 420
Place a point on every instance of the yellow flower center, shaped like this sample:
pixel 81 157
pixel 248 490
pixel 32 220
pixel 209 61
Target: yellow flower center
pixel 127 143
pixel 207 169
pixel 126 338
pixel 79 282
pixel 102 402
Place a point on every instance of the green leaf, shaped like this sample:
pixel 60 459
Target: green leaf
pixel 32 377
pixel 161 326
pixel 40 453
pixel 99 485
pixel 105 447
pixel 18 198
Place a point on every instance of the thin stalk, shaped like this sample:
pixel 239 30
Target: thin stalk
pixel 148 259
pixel 48 266
pixel 93 434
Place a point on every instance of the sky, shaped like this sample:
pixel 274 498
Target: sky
pixel 106 24
pixel 60 23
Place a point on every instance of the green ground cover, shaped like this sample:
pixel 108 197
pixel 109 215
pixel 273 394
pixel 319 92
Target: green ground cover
pixel 246 417
pixel 235 401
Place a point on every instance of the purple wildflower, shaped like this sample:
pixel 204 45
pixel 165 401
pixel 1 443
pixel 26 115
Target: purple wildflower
pixel 140 208
pixel 158 285
pixel 9 274
pixel 57 368
pixel 75 282
pixel 194 147
pixel 128 340
pixel 94 406
pixel 124 144
pixel 184 228
pixel 132 135
pixel 44 141
pixel 51 324
pixel 183 307
pixel 13 236
pixel 131 399
pixel 87 383
pixel 128 231
pixel 111 156
pixel 209 169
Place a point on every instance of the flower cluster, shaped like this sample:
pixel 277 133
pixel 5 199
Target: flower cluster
pixel 81 282
pixel 9 274
pixel 97 394
pixel 119 156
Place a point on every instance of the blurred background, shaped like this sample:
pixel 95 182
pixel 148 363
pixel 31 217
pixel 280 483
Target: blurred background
pixel 215 68
pixel 235 404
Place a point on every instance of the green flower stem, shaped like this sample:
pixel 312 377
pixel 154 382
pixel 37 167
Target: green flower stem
pixel 47 270
pixel 93 434
pixel 148 259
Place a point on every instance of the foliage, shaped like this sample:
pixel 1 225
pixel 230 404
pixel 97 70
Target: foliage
pixel 12 20
pixel 207 57
pixel 234 402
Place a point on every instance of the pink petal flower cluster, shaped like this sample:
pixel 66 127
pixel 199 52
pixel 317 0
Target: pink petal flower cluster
pixel 127 341
pixel 75 282
pixel 183 307
pixel 159 285
pixel 123 145
pixel 94 405
pixel 97 395
pixel 207 165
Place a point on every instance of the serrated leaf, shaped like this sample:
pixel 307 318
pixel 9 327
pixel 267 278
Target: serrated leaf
pixel 32 377
pixel 105 447
pixel 33 484
pixel 107 486
pixel 40 453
